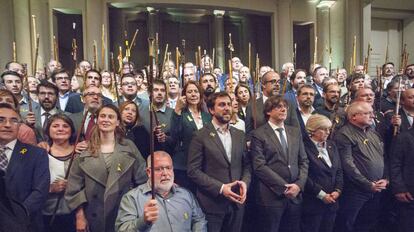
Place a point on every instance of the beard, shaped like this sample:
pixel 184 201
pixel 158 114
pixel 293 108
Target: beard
pixel 164 187
pixel 223 118
pixel 209 90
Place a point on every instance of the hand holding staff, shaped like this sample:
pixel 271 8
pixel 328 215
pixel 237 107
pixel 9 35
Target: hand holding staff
pixel 150 81
pixel 397 106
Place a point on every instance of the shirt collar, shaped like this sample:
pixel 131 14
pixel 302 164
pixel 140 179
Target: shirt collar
pixel 274 126
pixel 162 109
pixel 51 112
pixel 220 129
pixel 319 144
pixel 146 188
pixel 64 95
pixel 11 144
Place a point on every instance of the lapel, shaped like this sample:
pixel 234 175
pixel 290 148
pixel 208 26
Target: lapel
pixel 330 150
pixel 404 121
pixel 190 120
pixel 213 135
pixel 234 148
pixel 271 134
pixel 121 163
pixel 38 116
pixel 17 160
pixel 94 167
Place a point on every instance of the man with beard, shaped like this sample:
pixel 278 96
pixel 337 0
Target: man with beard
pixel 330 107
pixel 208 84
pixel 409 72
pixel 362 158
pixel 92 78
pixel 353 83
pixel 387 74
pixel 387 102
pixel 219 167
pixel 305 98
pixel 129 90
pixel 52 66
pixel 341 76
pixel 206 65
pixel 173 91
pixel 13 82
pixel 48 94
pixel 319 74
pixel 174 209
pixel 163 139
pixel 281 166
pixel 287 70
pixel 271 87
pixel 297 79
pixel 63 82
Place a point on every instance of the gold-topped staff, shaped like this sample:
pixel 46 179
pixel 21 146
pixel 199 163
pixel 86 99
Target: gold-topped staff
pixel 231 47
pixel 34 41
pixel 36 56
pixel 182 58
pixel 14 52
pixel 74 49
pixel 397 106
pixel 366 60
pixel 330 59
pixel 294 54
pixel 250 57
pixel 386 54
pixel 164 60
pixel 127 51
pixel 120 59
pixel 315 52
pixel 103 47
pixel 55 49
pixel 95 55
pixel 114 82
pixel 157 50
pixel 354 52
pixel 177 62
pixel 404 58
pixel 213 58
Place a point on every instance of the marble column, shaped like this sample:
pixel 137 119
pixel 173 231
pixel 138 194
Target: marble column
pixel 22 36
pixel 6 32
pixel 323 33
pixel 353 28
pixel 285 32
pixel 219 38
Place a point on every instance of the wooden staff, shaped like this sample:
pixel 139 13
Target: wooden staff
pixel 95 55
pixel 403 57
pixel 34 41
pixel 114 82
pixel 164 60
pixel 150 81
pixel 55 49
pixel 230 75
pixel 177 61
pixel 196 59
pixel 253 100
pixel 231 47
pixel 127 51
pixel 36 56
pixel 157 50
pixel 294 54
pixel 74 49
pixel 120 59
pixel 386 54
pixel 72 157
pixel 14 52
pixel 330 58
pixel 315 52
pixel 213 58
pixel 103 47
pixel 250 56
pixel 25 76
pixel 133 42
pixel 182 62
pixel 397 106
pixel 354 52
pixel 366 60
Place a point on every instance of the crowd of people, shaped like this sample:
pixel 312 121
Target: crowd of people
pixel 296 150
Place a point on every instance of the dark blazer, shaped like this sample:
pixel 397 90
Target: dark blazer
pixel 386 129
pixel 28 178
pixel 402 163
pixel 291 119
pixel 209 167
pixel 183 128
pixel 290 96
pixel 273 168
pixel 70 94
pixel 76 105
pixel 40 134
pixel 318 97
pixel 321 176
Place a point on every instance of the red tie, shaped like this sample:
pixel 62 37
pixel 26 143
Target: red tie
pixel 90 126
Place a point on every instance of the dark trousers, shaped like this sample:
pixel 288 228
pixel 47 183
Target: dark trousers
pixel 61 223
pixel 229 221
pixel 181 178
pixel 284 218
pixel 358 211
pixel 322 221
pixel 406 217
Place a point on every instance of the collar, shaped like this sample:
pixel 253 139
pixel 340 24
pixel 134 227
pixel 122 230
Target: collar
pixel 300 109
pixel 64 95
pixel 162 109
pixel 264 98
pixel 11 144
pixel 319 144
pixel 146 188
pixel 51 112
pixel 274 126
pixel 221 129
pixel 23 100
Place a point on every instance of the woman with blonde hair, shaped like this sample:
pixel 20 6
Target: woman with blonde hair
pixel 108 85
pixel 324 184
pixel 100 175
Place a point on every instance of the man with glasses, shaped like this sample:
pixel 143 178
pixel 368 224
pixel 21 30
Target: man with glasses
pixel 63 82
pixel 129 90
pixel 92 78
pixel 280 164
pixel 26 166
pixel 173 209
pixel 48 94
pixel 362 158
pixel 173 91
pixel 270 87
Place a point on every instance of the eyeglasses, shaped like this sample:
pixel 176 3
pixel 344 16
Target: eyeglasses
pixel 273 82
pixel 161 169
pixel 129 83
pixel 366 113
pixel 46 93
pixel 92 95
pixel 13 121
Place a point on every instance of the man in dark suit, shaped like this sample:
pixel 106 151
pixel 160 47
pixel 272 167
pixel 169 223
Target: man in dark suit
pixel 402 179
pixel 75 103
pixel 281 167
pixel 270 87
pixel 319 74
pixel 305 98
pixel 297 79
pixel 129 91
pixel 48 94
pixel 62 80
pixel 27 169
pixel 218 166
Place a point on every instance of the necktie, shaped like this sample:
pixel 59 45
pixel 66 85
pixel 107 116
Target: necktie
pixel 46 115
pixel 89 127
pixel 282 140
pixel 3 158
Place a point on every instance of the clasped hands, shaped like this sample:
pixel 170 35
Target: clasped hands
pixel 239 186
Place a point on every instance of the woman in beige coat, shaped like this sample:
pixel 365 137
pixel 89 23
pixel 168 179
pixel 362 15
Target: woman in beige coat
pixel 100 175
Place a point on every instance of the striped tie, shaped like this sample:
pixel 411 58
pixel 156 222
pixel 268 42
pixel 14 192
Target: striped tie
pixel 3 158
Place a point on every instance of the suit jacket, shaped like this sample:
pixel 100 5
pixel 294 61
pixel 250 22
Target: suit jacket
pixel 291 120
pixel 386 129
pixel 209 167
pixel 321 176
pixel 183 129
pixel 76 105
pixel 318 98
pixel 99 192
pixel 273 168
pixel 40 134
pixel 402 163
pixel 27 179
pixel 290 96
pixel 70 94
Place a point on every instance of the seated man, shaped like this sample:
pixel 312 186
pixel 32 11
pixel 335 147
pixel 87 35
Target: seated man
pixel 181 212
